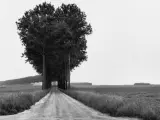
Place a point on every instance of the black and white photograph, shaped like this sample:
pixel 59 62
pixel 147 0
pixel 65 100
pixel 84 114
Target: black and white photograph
pixel 80 60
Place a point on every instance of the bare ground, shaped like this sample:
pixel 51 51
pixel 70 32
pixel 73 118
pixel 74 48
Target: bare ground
pixel 58 106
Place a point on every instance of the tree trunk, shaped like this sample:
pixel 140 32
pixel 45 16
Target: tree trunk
pixel 44 83
pixel 64 81
pixel 65 72
pixel 60 82
pixel 68 75
pixel 48 78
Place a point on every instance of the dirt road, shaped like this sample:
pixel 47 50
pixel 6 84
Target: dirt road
pixel 58 106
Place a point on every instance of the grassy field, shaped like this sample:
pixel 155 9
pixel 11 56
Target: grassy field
pixel 130 101
pixel 19 97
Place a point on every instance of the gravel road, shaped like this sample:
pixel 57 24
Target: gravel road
pixel 58 106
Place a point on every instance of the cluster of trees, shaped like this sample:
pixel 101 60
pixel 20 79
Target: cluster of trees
pixel 142 84
pixel 54 40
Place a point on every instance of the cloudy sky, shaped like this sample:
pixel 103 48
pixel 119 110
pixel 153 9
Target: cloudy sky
pixel 124 47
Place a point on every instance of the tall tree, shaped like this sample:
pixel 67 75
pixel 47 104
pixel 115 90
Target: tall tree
pixel 33 31
pixel 76 20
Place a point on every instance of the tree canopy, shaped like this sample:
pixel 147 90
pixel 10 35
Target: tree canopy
pixel 76 20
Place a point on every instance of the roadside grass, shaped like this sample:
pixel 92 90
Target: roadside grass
pixel 139 105
pixel 18 102
pixel 17 98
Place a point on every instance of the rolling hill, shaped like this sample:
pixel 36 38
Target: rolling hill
pixel 26 80
pixel 36 79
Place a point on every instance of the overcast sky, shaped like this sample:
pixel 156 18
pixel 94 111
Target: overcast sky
pixel 124 47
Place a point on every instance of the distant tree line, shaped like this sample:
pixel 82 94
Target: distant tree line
pixel 54 41
pixel 142 84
